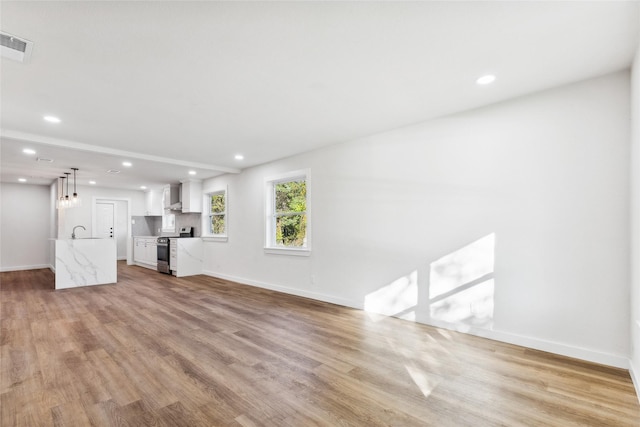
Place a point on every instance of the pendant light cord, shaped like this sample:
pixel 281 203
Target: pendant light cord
pixel 67 195
pixel 75 192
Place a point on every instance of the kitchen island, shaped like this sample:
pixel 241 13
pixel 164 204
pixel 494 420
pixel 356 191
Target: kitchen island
pixel 85 262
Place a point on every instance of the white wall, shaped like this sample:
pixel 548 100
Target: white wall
pixel 545 177
pixel 25 226
pixel 53 223
pixel 82 215
pixel 635 222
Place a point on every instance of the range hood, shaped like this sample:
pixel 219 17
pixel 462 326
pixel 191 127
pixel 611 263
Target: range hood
pixel 175 206
pixel 172 197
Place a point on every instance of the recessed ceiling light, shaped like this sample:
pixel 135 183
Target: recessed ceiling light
pixel 22 180
pixel 192 172
pixel 127 164
pixel 113 171
pixel 92 182
pixel 485 80
pixel 239 157
pixel 42 159
pixel 143 187
pixel 52 119
pixel 29 151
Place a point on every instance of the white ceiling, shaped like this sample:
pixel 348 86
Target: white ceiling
pixel 194 83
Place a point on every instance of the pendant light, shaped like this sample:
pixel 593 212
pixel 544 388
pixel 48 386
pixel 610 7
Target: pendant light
pixel 60 199
pixel 67 203
pixel 76 200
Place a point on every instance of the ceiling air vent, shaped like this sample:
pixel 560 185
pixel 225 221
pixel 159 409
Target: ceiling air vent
pixel 15 48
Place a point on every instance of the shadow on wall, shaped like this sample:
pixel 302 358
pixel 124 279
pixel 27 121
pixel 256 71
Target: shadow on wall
pixel 457 289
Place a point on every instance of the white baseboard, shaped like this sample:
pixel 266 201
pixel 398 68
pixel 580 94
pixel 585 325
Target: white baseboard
pixel 524 341
pixel 149 266
pixel 286 290
pixel 633 371
pixel 550 347
pixel 25 267
pixel 538 344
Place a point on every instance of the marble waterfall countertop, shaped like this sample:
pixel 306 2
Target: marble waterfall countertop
pixel 85 262
pixel 188 257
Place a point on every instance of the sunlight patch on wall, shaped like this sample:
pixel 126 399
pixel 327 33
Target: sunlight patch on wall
pixel 461 286
pixel 398 298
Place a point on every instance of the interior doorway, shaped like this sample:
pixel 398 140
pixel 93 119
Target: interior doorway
pixel 105 219
pixel 112 219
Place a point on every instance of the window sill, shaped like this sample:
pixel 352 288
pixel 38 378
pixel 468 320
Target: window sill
pixel 215 238
pixel 288 251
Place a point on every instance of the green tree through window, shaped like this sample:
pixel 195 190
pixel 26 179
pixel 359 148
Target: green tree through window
pixel 290 213
pixel 218 213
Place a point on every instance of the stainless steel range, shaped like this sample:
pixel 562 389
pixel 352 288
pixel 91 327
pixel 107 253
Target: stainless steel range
pixel 164 250
pixel 163 255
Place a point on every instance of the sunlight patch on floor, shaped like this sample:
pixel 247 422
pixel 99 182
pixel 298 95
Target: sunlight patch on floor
pixel 425 382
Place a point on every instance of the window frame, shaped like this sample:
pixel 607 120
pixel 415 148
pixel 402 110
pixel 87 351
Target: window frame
pixel 166 215
pixel 207 234
pixel 270 246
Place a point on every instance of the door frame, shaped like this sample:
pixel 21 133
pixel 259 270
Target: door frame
pixel 94 203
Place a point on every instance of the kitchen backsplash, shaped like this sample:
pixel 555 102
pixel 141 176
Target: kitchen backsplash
pixel 189 220
pixel 150 225
pixel 146 225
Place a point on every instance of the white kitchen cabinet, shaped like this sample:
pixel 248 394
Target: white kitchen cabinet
pixel 153 203
pixel 192 196
pixel 152 252
pixel 138 250
pixel 145 252
pixel 173 256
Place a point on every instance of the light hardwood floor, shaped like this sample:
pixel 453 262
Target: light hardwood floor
pixel 155 350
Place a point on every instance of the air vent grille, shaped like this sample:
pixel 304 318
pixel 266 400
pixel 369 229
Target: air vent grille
pixel 13 43
pixel 14 47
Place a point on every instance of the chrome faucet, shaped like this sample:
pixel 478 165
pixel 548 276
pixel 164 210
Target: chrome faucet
pixel 73 233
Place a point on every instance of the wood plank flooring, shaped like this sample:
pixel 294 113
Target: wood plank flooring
pixel 156 350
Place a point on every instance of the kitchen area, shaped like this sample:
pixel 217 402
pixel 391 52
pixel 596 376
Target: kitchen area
pixel 159 229
pixel 167 238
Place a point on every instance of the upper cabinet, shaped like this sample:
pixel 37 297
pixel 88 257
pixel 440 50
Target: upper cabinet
pixel 192 196
pixel 153 203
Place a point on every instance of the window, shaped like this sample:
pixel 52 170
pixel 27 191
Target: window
pixel 287 219
pixel 214 219
pixel 168 218
pixel 168 221
pixel 217 214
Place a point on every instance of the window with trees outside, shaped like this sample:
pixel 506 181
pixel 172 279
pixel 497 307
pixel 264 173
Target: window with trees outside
pixel 218 213
pixel 288 213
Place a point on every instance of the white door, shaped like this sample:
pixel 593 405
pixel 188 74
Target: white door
pixel 105 220
pixel 120 227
